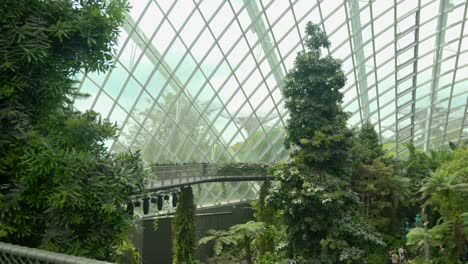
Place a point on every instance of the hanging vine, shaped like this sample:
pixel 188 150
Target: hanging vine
pixel 183 228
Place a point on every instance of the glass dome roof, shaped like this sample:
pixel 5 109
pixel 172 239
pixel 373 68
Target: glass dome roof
pixel 201 80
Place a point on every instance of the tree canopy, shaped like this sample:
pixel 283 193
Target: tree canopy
pixel 317 123
pixel 60 188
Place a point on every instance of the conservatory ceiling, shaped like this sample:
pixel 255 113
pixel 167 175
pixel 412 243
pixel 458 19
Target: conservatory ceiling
pixel 202 80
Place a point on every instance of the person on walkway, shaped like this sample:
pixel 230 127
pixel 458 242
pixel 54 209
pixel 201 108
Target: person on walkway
pixel 402 255
pixel 394 257
pixel 389 258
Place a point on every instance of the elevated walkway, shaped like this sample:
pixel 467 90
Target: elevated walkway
pixel 175 176
pixel 214 185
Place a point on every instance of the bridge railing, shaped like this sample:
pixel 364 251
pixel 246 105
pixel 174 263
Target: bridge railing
pixel 178 174
pixel 214 183
pixel 13 254
pixel 173 174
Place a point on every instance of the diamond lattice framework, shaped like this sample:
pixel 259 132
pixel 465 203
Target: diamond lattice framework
pixel 201 80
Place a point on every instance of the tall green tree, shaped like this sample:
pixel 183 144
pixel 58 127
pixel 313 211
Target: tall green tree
pixel 383 195
pixel 60 188
pixel 312 192
pixel 417 168
pixel 383 192
pixel 317 123
pixel 183 228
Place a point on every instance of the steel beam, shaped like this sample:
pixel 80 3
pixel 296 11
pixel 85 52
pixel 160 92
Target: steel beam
pixel 449 108
pixel 150 50
pixel 360 58
pixel 265 41
pixel 444 8
pixel 462 126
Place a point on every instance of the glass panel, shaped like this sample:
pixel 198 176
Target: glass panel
pixel 227 93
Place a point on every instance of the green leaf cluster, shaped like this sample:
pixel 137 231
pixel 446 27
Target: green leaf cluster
pixel 242 168
pixel 183 228
pixel 60 188
pixel 68 195
pixel 446 191
pixel 266 214
pixel 241 235
pixel 43 45
pixel 322 218
pixel 317 123
pixel 384 194
pixel 366 147
pixel 220 238
pixel 312 193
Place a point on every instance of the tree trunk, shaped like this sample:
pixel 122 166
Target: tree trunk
pixel 458 237
pixel 248 254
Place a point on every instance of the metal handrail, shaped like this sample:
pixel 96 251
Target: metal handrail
pixel 195 181
pixel 10 253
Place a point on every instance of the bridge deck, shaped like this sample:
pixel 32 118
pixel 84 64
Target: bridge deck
pixel 174 176
pixel 164 184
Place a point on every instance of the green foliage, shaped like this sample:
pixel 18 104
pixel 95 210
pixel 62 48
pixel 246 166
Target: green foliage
pixel 322 220
pixel 366 147
pixel 250 229
pixel 318 208
pixel 446 191
pixel 416 168
pixel 437 157
pixel 272 238
pixel 67 195
pixel 222 259
pixel 60 188
pixel 317 124
pixel 220 238
pixel 264 213
pixel 229 168
pixel 383 193
pixel 435 235
pixel 241 235
pixel 183 228
pixel 43 44
pixel 243 168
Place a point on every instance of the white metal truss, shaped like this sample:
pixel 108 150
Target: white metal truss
pixel 224 63
pixel 260 29
pixel 444 8
pixel 360 70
